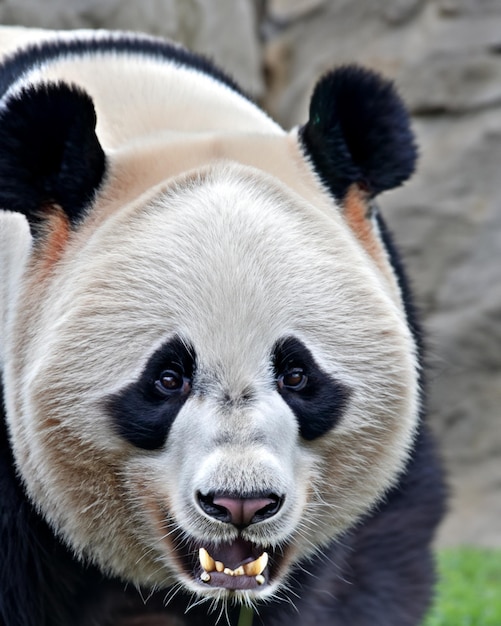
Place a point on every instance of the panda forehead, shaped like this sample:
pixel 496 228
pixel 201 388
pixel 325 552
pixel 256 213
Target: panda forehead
pixel 223 246
pixel 220 236
pixel 225 230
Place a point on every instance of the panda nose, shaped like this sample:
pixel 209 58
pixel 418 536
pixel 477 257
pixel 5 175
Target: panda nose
pixel 240 511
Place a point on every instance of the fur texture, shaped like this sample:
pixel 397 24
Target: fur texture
pixel 61 163
pixel 204 317
pixel 359 132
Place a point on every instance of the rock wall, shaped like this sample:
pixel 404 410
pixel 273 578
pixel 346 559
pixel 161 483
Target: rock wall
pixel 445 56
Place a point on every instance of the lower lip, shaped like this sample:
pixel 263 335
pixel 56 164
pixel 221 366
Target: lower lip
pixel 220 580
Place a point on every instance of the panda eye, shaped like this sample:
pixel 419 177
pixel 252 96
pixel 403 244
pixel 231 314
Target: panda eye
pixel 173 382
pixel 293 380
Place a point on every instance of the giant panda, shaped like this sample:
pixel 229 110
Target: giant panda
pixel 211 365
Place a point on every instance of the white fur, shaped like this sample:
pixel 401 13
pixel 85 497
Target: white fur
pixel 15 241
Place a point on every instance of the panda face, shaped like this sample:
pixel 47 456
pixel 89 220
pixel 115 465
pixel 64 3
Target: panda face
pixel 216 382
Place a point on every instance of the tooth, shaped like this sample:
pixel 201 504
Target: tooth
pixel 254 568
pixel 206 561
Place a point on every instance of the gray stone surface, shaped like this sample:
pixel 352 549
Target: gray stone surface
pixel 445 56
pixel 448 222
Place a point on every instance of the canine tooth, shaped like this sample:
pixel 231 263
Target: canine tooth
pixel 205 576
pixel 206 561
pixel 228 571
pixel 260 579
pixel 251 569
pixel 219 566
pixel 239 571
pixel 254 568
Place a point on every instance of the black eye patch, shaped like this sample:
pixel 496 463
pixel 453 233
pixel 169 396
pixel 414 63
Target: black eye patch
pixel 144 411
pixel 315 398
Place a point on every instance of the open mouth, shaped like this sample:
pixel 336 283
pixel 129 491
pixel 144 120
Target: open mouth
pixel 236 565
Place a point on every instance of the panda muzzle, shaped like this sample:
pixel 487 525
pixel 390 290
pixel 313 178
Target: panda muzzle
pixel 239 564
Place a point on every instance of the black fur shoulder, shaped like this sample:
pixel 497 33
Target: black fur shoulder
pixel 41 583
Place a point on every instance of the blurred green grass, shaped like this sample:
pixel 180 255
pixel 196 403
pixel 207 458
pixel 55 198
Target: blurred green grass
pixel 469 588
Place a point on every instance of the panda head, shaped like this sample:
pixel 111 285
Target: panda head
pixel 210 380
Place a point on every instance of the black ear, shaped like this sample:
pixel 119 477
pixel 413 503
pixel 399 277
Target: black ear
pixel 358 132
pixel 49 152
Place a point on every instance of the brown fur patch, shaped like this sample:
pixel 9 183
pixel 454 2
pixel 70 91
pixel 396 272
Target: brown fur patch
pixel 56 232
pixel 356 211
pixel 356 205
pixel 355 208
